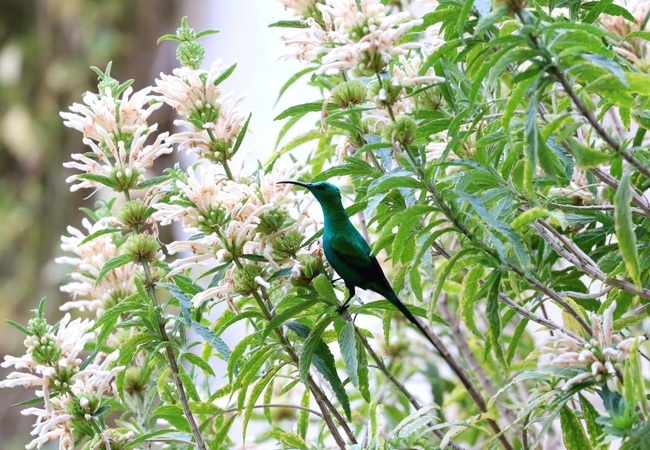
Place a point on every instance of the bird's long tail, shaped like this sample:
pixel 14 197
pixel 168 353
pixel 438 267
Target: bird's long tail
pixel 392 297
pixel 440 346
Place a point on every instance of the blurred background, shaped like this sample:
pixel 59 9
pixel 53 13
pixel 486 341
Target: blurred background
pixel 46 49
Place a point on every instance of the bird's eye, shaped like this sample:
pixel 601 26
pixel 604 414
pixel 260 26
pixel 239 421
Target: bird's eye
pixel 320 186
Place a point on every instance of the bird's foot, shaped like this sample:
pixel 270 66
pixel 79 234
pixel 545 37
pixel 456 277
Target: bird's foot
pixel 341 309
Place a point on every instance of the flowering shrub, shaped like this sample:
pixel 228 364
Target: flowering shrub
pixel 494 153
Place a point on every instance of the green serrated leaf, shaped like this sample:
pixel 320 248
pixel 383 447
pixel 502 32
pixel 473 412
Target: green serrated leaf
pixel 255 393
pixel 99 179
pixel 589 415
pixel 304 108
pixel 216 342
pixel 225 74
pixel 363 372
pixel 198 362
pixel 303 416
pixel 587 158
pixel 98 233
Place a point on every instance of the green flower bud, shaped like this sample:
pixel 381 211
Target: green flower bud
pixel 136 381
pixel 384 93
pixel 244 279
pixel 212 219
pixel 82 406
pixel 62 381
pixel 309 267
pixel 110 439
pixel 222 149
pixel 44 347
pixel 402 130
pixel 288 244
pixel 272 221
pixel 185 32
pixel 38 326
pixel 349 93
pixel 142 247
pixel 190 54
pixel 125 177
pixel 133 213
pixel 203 114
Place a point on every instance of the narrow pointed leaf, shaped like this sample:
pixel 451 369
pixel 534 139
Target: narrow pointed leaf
pixel 347 342
pixel 625 228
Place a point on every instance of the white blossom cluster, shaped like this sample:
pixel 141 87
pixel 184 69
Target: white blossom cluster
pixel 598 359
pixel 69 392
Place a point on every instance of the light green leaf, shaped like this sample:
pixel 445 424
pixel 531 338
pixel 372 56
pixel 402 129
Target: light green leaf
pixel 624 227
pixel 111 264
pixel 573 434
pixel 304 108
pixel 363 373
pixel 198 362
pixel 589 415
pixel 255 394
pixel 494 320
pixel 587 158
pixel 324 287
pixel 347 342
pixel 303 416
pixel 469 298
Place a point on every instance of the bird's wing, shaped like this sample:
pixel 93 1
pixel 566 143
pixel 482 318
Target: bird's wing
pixel 354 252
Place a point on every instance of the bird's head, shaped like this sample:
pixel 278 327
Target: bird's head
pixel 326 193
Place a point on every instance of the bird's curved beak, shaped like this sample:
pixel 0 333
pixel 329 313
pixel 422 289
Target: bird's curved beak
pixel 298 183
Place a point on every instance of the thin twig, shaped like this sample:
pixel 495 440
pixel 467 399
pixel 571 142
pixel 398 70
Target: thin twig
pixel 595 208
pixel 579 259
pixel 465 350
pixel 582 296
pixel 323 402
pixel 514 305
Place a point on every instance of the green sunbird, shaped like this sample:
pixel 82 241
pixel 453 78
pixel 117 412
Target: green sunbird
pixel 350 255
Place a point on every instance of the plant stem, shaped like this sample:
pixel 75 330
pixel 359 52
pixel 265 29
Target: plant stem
pixel 400 387
pixel 465 350
pixel 169 350
pixel 323 402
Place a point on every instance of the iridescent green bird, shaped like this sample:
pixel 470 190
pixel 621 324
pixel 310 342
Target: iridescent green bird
pixel 349 254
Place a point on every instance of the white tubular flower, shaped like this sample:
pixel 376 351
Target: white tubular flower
pixel 123 162
pixel 104 115
pixel 51 425
pixel 216 139
pixel 214 120
pixel 88 261
pixel 192 92
pixel 199 204
pixel 301 8
pixel 364 40
pixel 596 360
pixel 69 392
